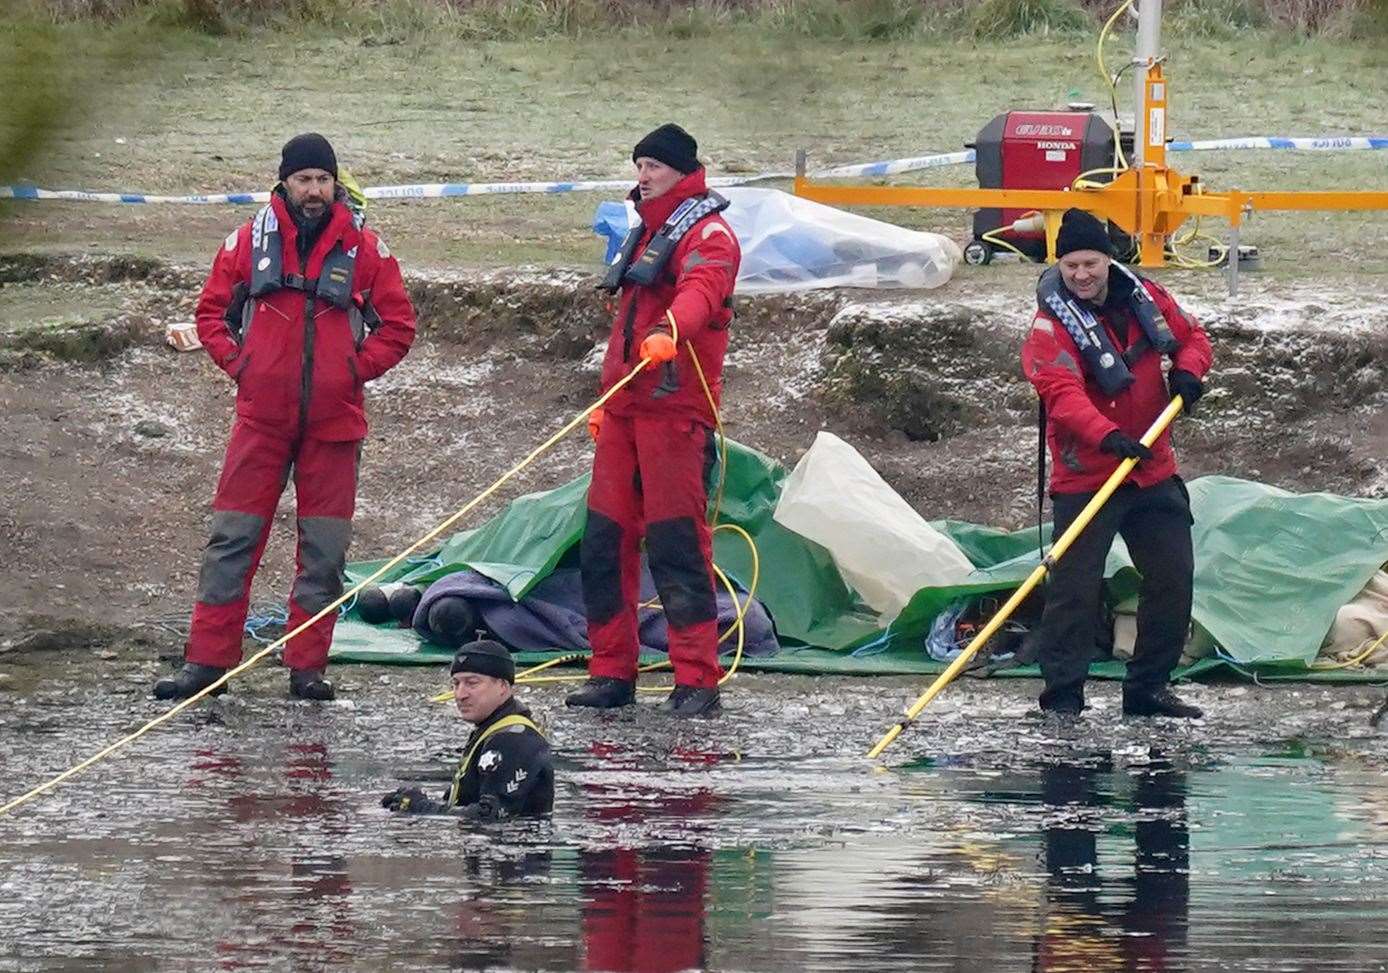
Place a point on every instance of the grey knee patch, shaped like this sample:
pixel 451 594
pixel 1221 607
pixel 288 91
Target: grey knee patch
pixel 322 557
pixel 680 573
pixel 600 566
pixel 226 561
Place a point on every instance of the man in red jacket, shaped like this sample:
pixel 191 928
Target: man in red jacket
pixel 303 306
pixel 655 439
pixel 1094 354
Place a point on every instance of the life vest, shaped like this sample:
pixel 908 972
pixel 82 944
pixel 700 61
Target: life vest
pixel 515 719
pixel 333 284
pixel 1104 363
pixel 646 270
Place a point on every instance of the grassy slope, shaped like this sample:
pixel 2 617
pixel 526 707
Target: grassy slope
pixel 208 114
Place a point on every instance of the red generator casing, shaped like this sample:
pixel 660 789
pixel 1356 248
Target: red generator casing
pixel 1037 150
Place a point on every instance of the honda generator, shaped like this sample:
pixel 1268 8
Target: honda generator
pixel 1036 150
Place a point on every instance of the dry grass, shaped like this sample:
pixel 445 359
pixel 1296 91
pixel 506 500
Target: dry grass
pixel 857 20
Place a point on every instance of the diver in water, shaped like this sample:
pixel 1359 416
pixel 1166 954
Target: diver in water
pixel 506 770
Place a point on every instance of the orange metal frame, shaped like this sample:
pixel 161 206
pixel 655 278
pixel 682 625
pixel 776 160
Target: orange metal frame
pixel 1149 202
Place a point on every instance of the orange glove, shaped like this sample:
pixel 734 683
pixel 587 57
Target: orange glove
pixel 595 423
pixel 659 347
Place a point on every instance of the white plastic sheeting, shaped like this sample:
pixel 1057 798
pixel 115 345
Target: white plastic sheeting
pixel 1360 623
pixel 882 547
pixel 794 244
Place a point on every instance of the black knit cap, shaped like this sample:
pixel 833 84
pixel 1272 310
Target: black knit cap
pixel 1081 231
pixel 485 657
pixel 671 145
pixel 307 151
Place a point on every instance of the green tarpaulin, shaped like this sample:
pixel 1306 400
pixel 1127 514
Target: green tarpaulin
pixel 1272 568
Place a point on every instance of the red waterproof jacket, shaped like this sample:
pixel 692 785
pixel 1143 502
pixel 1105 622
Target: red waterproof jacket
pixel 298 371
pixel 1079 415
pixel 697 287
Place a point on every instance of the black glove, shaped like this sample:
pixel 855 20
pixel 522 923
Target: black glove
pixel 1124 447
pixel 406 799
pixel 1187 386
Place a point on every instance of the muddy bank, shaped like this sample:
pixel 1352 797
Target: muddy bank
pixel 113 446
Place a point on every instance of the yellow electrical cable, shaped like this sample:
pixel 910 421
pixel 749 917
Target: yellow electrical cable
pixel 1355 660
pixel 1118 157
pixel 1194 263
pixel 533 455
pixel 1082 180
pixel 1002 243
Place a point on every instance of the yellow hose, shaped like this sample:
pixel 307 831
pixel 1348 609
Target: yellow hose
pixel 1118 158
pixel 1003 243
pixel 1353 661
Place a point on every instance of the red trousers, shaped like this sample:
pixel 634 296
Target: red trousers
pixel 649 479
pixel 258 464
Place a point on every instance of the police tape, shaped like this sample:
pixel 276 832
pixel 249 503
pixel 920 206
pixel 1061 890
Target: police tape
pixel 866 170
pixel 1316 144
pixel 435 190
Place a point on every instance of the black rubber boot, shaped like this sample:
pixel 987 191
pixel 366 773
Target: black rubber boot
pixel 1067 701
pixel 188 681
pixel 310 684
pixel 687 701
pixel 1161 703
pixel 604 692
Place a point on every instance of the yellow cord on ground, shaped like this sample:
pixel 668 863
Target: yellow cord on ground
pixel 1354 660
pixel 533 455
pixel 1058 550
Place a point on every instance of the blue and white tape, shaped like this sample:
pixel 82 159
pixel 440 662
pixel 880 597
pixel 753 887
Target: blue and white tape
pixel 867 170
pixel 1326 143
pixel 432 190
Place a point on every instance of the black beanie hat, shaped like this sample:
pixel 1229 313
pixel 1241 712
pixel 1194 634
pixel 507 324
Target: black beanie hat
pixel 307 151
pixel 671 145
pixel 485 657
pixel 1081 231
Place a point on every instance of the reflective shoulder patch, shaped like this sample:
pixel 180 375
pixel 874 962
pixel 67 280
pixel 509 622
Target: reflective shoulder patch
pixel 715 227
pixel 381 249
pixel 1043 324
pixel 231 240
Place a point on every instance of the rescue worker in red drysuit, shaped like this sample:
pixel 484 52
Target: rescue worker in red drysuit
pixel 1094 354
pixel 303 306
pixel 655 438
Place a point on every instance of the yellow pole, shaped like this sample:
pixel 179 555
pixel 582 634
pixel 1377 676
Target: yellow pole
pixel 1057 552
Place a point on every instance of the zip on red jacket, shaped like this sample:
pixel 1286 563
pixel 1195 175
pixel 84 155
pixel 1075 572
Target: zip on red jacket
pixel 1079 415
pixel 295 371
pixel 696 287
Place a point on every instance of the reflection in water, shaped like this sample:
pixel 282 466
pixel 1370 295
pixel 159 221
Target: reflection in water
pixel 1145 924
pixel 251 839
pixel 643 909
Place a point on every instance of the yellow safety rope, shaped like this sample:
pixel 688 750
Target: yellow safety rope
pixel 530 457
